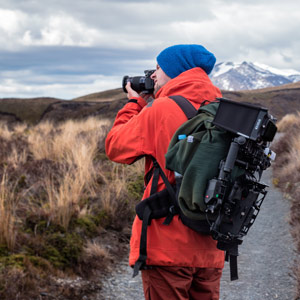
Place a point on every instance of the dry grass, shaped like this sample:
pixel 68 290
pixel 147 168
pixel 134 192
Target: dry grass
pixel 295 142
pixel 57 143
pixel 95 257
pixel 95 251
pixel 58 192
pixel 286 173
pixel 8 207
pixel 20 128
pixel 117 189
pixel 5 133
pixel 40 141
pixel 289 121
pixel 292 165
pixel 17 157
pixel 73 145
pixel 63 200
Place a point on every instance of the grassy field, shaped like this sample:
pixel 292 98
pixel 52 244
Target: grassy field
pixel 65 210
pixel 110 95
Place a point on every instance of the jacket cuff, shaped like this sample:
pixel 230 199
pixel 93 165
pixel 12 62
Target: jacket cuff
pixel 138 100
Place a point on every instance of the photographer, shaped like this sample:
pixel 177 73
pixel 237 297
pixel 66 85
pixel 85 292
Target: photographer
pixel 181 264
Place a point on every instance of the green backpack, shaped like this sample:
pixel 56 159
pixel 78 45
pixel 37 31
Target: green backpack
pixel 215 194
pixel 197 158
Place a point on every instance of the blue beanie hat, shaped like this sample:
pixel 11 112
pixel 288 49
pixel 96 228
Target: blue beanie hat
pixel 179 58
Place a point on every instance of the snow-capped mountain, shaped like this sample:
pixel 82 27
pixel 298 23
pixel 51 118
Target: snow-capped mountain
pixel 248 76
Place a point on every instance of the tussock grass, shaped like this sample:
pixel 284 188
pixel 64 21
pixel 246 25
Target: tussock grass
pixel 17 157
pixel 292 165
pixel 289 121
pixel 48 141
pixel 20 128
pixel 115 189
pixel 286 174
pixel 63 200
pixel 73 145
pixel 58 191
pixel 96 255
pixel 295 142
pixel 8 207
pixel 95 250
pixel 5 133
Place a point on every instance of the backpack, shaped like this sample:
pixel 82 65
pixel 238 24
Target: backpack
pixel 216 191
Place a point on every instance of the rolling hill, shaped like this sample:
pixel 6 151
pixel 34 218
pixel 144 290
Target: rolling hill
pixel 280 100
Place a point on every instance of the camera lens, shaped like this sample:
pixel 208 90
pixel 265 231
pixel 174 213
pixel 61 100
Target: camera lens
pixel 124 82
pixel 139 84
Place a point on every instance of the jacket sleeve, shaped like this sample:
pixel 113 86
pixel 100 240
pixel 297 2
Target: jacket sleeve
pixel 129 136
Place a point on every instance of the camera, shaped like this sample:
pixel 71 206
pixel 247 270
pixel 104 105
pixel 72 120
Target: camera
pixel 238 201
pixel 141 84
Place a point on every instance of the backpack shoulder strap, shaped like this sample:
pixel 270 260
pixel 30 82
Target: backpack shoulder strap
pixel 186 106
pixel 158 204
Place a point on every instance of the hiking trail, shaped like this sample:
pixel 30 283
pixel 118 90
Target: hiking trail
pixel 264 264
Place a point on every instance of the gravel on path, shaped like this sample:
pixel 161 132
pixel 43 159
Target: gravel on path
pixel 264 264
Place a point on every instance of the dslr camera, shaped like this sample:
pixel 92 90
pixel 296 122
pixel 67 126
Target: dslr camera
pixel 141 84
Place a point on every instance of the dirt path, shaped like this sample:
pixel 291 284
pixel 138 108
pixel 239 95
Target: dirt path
pixel 265 261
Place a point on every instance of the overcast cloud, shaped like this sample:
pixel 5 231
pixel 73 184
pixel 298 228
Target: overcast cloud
pixel 67 48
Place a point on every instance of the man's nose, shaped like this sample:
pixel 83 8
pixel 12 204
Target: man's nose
pixel 153 75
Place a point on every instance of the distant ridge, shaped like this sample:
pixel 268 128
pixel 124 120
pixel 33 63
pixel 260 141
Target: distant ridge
pixel 33 110
pixel 280 101
pixel 249 76
pixel 295 85
pixel 103 96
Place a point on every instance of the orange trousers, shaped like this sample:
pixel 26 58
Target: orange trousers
pixel 181 283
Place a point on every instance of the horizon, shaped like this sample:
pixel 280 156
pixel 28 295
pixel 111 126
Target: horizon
pixel 66 50
pixel 268 88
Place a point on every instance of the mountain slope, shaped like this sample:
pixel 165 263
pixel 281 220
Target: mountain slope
pixel 248 76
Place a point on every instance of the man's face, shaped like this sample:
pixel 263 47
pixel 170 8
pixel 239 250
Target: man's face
pixel 160 78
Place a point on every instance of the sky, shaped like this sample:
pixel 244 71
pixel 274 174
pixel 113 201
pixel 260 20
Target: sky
pixel 71 48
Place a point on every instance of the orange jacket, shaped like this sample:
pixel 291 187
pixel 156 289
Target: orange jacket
pixel 146 130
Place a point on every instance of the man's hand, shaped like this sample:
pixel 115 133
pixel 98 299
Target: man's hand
pixel 131 93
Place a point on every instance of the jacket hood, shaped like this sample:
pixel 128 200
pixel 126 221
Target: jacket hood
pixel 193 84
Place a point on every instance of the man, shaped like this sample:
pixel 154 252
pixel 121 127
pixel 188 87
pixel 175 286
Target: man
pixel 184 264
